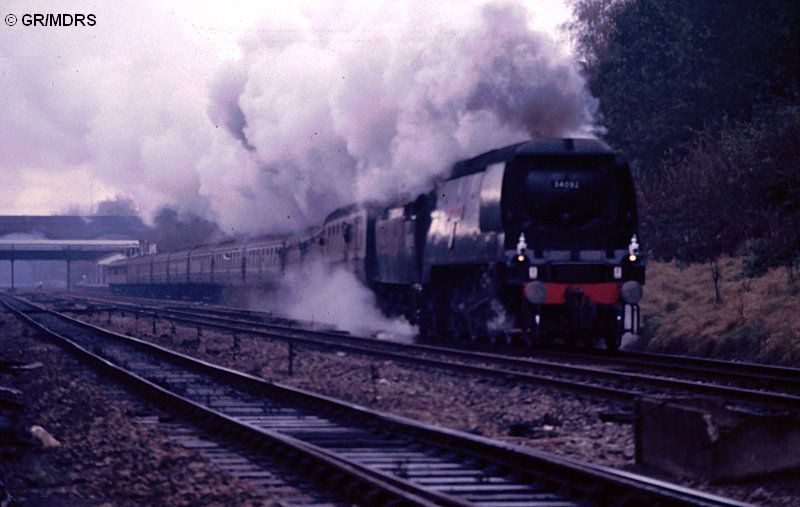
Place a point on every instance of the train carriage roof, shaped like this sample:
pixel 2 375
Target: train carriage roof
pixel 372 208
pixel 566 146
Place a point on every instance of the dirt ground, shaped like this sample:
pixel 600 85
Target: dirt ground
pixel 104 458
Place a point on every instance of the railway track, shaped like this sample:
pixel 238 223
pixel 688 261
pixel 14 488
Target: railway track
pixel 369 457
pixel 278 482
pixel 623 376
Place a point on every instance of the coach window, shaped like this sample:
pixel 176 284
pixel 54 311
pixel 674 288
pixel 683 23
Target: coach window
pixel 348 233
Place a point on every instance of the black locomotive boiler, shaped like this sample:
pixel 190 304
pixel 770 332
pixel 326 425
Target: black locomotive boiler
pixel 536 240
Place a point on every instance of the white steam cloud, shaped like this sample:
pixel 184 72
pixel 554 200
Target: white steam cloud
pixel 332 106
pixel 333 297
pixel 329 103
pixel 95 111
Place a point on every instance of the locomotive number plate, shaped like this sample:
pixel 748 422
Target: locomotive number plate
pixel 565 184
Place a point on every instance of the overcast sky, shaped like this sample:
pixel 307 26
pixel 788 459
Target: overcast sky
pixel 263 114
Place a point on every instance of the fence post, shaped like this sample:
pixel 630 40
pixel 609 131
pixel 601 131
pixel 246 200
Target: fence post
pixel 291 358
pixel 373 373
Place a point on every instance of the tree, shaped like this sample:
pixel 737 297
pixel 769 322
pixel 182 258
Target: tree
pixel 118 206
pixel 73 209
pixel 592 26
pixel 703 97
pixel 174 230
pixel 674 69
pixel 736 190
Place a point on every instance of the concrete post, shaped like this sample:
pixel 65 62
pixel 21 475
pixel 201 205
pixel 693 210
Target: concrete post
pixel 12 273
pixel 69 277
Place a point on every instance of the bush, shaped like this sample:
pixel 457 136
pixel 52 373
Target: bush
pixel 759 319
pixel 737 190
pixel 742 342
pixel 757 257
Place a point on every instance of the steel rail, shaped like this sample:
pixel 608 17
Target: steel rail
pixel 601 484
pixel 384 489
pixel 762 374
pixel 628 385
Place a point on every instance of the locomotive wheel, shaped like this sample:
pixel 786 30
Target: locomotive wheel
pixel 469 305
pixel 498 324
pixel 468 323
pixel 613 341
pixel 456 320
pixel 503 338
pixel 613 334
pixel 570 340
pixel 438 320
pixel 531 333
pixel 425 323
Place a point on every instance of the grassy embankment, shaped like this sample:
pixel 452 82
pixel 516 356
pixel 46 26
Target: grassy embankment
pixel 758 319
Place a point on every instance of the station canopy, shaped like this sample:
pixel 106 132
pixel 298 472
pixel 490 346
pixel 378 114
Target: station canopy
pixel 66 249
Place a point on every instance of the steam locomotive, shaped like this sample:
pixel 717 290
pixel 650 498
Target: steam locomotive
pixel 535 241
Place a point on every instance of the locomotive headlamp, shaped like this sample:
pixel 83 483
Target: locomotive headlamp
pixel 533 272
pixel 631 292
pixel 522 246
pixel 617 272
pixel 633 249
pixel 535 292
